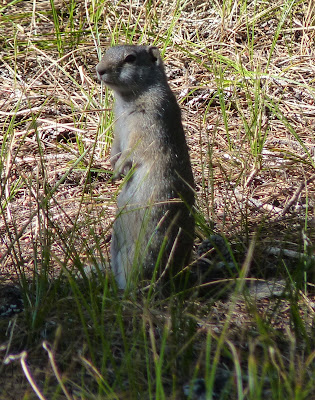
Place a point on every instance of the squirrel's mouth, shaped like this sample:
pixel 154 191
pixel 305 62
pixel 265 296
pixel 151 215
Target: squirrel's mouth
pixel 103 76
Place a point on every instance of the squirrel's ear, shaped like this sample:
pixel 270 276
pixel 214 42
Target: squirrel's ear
pixel 154 53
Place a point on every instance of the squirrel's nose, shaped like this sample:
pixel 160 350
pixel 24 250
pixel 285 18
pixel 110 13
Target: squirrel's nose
pixel 100 69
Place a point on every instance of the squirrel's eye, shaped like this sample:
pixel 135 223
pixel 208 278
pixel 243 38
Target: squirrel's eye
pixel 130 58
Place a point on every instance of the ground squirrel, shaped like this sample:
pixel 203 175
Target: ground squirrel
pixel 154 226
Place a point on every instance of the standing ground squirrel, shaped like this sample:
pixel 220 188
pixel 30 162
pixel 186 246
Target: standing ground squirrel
pixel 154 227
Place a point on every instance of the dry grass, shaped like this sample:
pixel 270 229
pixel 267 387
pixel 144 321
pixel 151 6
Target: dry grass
pixel 245 175
pixel 244 76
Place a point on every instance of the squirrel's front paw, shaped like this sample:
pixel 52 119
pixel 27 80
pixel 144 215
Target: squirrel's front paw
pixel 122 169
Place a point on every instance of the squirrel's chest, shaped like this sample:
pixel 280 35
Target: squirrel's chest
pixel 132 133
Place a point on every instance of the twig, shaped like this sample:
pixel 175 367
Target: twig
pixel 55 369
pixel 296 194
pixel 22 357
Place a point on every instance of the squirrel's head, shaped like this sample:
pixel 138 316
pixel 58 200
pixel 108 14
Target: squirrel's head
pixel 129 69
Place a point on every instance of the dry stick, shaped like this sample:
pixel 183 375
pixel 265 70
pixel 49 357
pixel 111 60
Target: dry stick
pixel 20 112
pixel 46 346
pixel 296 194
pixel 22 356
pixel 276 251
pixel 251 176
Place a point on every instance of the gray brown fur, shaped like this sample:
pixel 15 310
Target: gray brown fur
pixel 154 206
